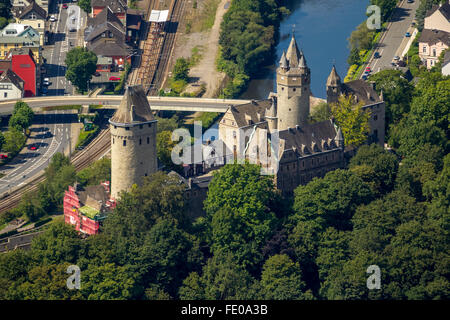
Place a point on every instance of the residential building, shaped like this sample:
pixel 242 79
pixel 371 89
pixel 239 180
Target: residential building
pixel 104 64
pixel 86 208
pixel 15 36
pixel 17 4
pixel 438 18
pixel 105 35
pixel 446 64
pixel 133 25
pixel 24 65
pixel 431 44
pixel 35 16
pixel 11 85
pixel 118 8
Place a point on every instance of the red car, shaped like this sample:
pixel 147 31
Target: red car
pixel 32 147
pixel 114 79
pixel 3 156
pixel 368 69
pixel 64 6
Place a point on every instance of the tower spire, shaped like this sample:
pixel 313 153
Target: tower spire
pixel 293 54
pixel 283 60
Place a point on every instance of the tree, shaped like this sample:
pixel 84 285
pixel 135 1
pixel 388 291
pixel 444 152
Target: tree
pixel 167 124
pixel 331 200
pixel 21 117
pixel 81 65
pixel 5 9
pixel 353 58
pixel 222 279
pixel 397 94
pixel 98 172
pixel 109 282
pixel 58 244
pixel 14 140
pixel 321 112
pixel 239 215
pixel 383 163
pixel 281 279
pixel 352 119
pixel 2 141
pixel 46 282
pixel 85 5
pixel 361 38
pixel 181 70
pixel 164 146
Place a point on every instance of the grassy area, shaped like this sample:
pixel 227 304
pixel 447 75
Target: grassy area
pixel 196 56
pixel 203 17
pixel 86 136
pixel 68 107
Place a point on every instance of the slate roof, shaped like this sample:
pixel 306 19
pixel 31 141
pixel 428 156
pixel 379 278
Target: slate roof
pixel 434 36
pixel 32 7
pixel 252 110
pixel 105 21
pixel 9 76
pixel 444 9
pixel 109 48
pixel 308 139
pixel 134 107
pixel 115 5
pixel 362 90
pixel 333 79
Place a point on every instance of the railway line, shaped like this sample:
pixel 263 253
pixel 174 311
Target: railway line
pixel 96 149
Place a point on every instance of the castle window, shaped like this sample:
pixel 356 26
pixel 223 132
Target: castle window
pixel 141 126
pixel 294 89
pixel 145 174
pixel 148 140
pixel 375 118
pixel 113 140
pixel 124 143
pixel 140 141
pixel 149 125
pixel 282 88
pixel 127 128
pixel 115 127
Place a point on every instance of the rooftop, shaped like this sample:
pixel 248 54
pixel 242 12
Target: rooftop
pixel 434 36
pixel 134 107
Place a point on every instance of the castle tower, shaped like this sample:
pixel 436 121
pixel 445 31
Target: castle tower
pixel 133 141
pixel 333 86
pixel 271 115
pixel 293 88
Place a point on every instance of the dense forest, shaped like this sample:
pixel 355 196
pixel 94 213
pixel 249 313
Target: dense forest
pixel 388 208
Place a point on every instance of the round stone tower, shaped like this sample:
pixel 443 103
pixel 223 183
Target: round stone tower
pixel 133 141
pixel 293 88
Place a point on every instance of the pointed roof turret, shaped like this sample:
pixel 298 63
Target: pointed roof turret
pixel 283 61
pixel 302 62
pixel 293 54
pixel 333 79
pixel 134 107
pixel 339 139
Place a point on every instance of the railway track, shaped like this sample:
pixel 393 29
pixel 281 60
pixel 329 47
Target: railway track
pixel 97 148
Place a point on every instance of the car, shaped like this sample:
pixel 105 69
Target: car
pixel 44 91
pixel 410 1
pixel 364 77
pixel 396 58
pixel 376 55
pixel 97 74
pixel 368 69
pixel 46 83
pixel 32 147
pixel 52 18
pixel 65 6
pixel 72 29
pixel 401 63
pixel 407 34
pixel 3 156
pixel 112 78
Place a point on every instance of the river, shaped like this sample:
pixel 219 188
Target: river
pixel 321 30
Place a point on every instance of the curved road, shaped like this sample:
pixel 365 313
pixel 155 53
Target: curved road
pixel 50 134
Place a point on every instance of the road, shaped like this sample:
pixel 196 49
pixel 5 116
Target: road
pixel 156 103
pixel 400 23
pixel 50 134
pixel 63 40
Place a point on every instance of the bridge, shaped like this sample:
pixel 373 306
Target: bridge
pixel 156 103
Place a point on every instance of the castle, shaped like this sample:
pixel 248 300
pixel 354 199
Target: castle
pixel 276 128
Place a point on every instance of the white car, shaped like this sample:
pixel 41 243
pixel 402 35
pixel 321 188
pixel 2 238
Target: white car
pixel 52 18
